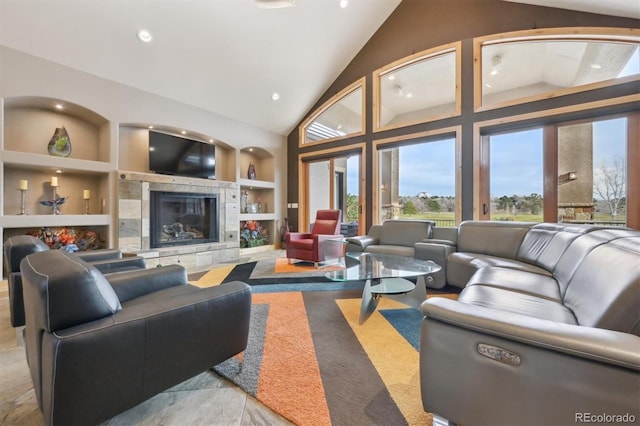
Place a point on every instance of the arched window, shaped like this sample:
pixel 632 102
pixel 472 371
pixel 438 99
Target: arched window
pixel 420 88
pixel 525 66
pixel 340 117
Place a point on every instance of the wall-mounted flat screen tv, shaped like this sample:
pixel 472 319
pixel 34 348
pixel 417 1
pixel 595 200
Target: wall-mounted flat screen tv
pixel 173 155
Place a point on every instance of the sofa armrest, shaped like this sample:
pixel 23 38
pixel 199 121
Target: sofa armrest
pixel 438 251
pixel 129 263
pixel 131 284
pixel 292 236
pixel 16 299
pixel 361 242
pixel 437 241
pixel 604 346
pixel 97 255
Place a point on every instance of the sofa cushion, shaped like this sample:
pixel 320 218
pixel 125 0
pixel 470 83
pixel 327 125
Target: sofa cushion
pixel 394 250
pixel 501 239
pixel 461 266
pixel 517 303
pixel 405 232
pixel 545 243
pixel 324 226
pixel 519 281
pixel 604 291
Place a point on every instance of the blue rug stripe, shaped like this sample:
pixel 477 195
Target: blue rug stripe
pixel 407 322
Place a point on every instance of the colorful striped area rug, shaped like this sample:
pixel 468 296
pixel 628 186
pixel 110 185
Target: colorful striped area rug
pixel 309 359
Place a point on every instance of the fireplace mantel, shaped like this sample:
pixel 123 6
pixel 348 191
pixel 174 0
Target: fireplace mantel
pixel 134 214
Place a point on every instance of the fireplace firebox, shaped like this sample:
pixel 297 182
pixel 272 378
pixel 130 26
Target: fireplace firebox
pixel 181 218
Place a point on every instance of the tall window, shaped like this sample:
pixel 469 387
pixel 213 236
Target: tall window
pixel 570 172
pixel 592 178
pixel 418 181
pixel 516 176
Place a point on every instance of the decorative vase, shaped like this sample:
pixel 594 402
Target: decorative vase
pixel 251 173
pixel 284 232
pixel 60 144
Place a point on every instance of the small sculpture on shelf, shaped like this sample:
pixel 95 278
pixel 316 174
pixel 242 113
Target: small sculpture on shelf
pixel 244 195
pixel 55 201
pixel 251 173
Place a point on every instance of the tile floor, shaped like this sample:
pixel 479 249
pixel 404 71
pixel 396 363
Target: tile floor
pixel 206 399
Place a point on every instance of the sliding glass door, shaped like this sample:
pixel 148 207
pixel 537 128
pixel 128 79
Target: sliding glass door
pixel 334 183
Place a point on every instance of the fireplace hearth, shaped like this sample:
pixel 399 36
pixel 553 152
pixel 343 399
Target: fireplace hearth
pixel 182 218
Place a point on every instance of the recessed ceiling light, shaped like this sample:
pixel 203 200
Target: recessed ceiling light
pixel 391 77
pixel 275 96
pixel 59 106
pixel 274 4
pixel 488 85
pixel 184 132
pixel 596 66
pixel 211 140
pixel 344 3
pixel 145 36
pixel 409 95
pixel 151 127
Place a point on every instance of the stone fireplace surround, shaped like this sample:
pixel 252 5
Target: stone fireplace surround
pixel 134 213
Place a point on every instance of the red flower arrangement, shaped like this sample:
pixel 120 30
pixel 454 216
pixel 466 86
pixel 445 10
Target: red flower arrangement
pixel 68 239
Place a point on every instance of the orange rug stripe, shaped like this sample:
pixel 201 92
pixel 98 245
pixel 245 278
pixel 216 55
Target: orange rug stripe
pixel 291 372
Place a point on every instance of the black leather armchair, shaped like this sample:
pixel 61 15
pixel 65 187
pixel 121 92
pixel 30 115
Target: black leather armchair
pixel 97 346
pixel 18 247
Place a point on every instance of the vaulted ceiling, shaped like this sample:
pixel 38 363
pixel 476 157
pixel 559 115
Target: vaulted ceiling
pixel 225 56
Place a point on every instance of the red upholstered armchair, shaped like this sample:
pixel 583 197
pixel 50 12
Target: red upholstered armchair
pixel 310 246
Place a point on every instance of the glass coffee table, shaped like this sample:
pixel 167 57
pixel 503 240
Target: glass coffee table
pixel 386 275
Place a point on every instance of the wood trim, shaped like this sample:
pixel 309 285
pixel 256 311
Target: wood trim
pixel 330 154
pixel 633 171
pixel 573 33
pixel 557 111
pixel 380 144
pixel 358 84
pixel 481 168
pixel 607 33
pixel 378 74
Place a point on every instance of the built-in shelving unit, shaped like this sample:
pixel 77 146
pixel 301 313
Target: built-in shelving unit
pixel 259 191
pixel 107 159
pixel 28 125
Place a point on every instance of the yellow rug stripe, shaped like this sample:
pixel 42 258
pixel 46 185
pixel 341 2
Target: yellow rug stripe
pixel 214 276
pixel 387 350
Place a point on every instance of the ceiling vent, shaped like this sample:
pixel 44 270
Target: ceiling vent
pixel 274 4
